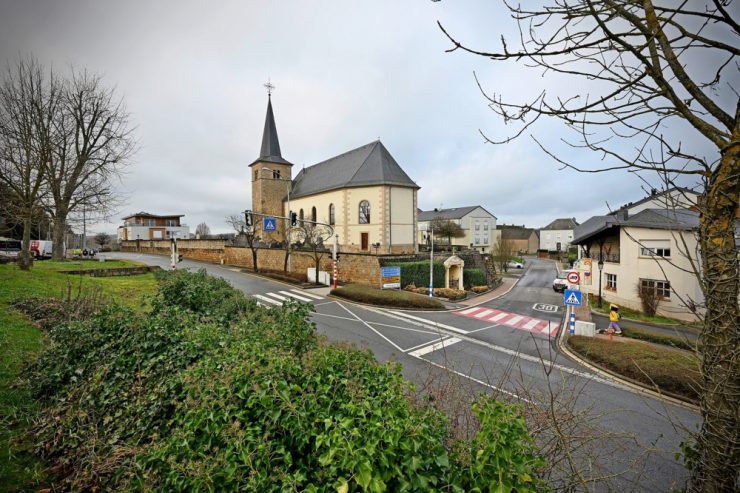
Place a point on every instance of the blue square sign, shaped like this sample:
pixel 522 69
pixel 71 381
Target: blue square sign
pixel 573 298
pixel 268 224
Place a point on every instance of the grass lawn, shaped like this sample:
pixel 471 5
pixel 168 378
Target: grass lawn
pixel 386 297
pixel 669 369
pixel 638 315
pixel 20 341
pixel 644 335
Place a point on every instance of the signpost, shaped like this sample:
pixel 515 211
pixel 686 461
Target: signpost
pixel 269 224
pixel 573 277
pixel 390 277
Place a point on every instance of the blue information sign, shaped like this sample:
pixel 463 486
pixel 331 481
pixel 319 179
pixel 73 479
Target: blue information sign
pixel 390 271
pixel 571 297
pixel 390 277
pixel 268 224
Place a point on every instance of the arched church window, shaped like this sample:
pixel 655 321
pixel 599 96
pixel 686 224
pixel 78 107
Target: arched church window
pixel 364 212
pixel 331 214
pixel 313 214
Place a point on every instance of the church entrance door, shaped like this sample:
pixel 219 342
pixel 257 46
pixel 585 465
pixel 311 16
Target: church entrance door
pixel 364 241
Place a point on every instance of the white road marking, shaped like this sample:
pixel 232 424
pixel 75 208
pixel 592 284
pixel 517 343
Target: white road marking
pixel 483 313
pixel 514 320
pixel 498 317
pixel 371 327
pixel 434 347
pixel 275 295
pixel 529 325
pixel 430 322
pixel 470 310
pixel 296 296
pixel 304 293
pixel 265 298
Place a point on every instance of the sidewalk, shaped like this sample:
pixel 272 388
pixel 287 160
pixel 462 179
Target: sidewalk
pixel 506 285
pixel 602 321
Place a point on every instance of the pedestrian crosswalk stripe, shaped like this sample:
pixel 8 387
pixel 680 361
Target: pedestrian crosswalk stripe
pixel 521 322
pixel 304 293
pixel 469 310
pixel 265 298
pixel 275 295
pixel 296 296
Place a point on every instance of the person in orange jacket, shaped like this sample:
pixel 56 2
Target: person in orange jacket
pixel 614 317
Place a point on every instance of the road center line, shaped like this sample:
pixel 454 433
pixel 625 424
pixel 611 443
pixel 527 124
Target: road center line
pixel 371 327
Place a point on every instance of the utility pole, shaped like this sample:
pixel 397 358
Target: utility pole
pixel 431 258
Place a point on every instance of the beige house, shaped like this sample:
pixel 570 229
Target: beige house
pixel 558 235
pixel 655 248
pixel 146 226
pixel 363 194
pixel 523 240
pixel 478 224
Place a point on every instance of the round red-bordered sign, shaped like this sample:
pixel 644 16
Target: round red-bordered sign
pixel 573 277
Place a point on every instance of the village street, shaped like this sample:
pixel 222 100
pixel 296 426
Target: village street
pixel 505 347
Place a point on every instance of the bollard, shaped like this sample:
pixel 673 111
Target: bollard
pixel 572 322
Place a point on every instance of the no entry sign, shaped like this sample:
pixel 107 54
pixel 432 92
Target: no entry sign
pixel 573 277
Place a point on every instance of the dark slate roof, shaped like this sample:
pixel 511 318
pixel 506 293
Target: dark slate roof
pixel 516 232
pixel 270 152
pixel 146 214
pixel 451 213
pixel 368 165
pixel 654 194
pixel 670 219
pixel 564 223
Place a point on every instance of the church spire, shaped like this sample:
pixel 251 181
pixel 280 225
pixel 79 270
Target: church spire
pixel 270 144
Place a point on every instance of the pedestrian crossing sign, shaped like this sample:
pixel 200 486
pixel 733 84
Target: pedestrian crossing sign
pixel 572 298
pixel 268 224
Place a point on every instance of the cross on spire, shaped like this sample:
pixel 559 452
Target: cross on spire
pixel 269 87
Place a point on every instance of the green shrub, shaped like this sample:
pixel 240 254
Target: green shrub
pixel 214 393
pixel 418 273
pixel 386 297
pixel 473 277
pixel 479 289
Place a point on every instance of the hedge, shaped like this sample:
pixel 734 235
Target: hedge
pixel 417 273
pixel 474 277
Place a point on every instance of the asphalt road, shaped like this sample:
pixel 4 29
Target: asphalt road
pixel 625 438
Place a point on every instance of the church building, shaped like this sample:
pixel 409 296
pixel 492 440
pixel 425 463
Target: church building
pixel 366 197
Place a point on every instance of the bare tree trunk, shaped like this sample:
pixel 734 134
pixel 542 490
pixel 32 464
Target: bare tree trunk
pixel 60 221
pixel 254 258
pixel 718 443
pixel 25 259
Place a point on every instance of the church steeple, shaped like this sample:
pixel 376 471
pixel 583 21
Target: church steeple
pixel 270 152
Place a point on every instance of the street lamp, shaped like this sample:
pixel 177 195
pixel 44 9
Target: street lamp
pixel 601 266
pixel 431 257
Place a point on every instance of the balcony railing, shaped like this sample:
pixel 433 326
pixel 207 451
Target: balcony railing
pixel 611 258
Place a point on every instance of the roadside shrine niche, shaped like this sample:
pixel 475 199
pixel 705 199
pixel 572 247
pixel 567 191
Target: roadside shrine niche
pixel 454 272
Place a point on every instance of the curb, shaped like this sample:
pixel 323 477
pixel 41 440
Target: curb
pixel 627 382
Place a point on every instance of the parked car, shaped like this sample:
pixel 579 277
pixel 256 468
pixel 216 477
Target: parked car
pixel 514 264
pixel 560 283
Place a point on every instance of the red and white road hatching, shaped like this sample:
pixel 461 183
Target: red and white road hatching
pixel 521 322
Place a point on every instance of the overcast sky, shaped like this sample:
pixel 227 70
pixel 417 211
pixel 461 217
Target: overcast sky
pixel 346 73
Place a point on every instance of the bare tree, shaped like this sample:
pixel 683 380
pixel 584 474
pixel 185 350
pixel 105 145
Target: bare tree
pixel 249 232
pixel 313 235
pixel 29 101
pixel 102 239
pixel 93 144
pixel 446 228
pixel 202 230
pixel 640 76
pixel 502 252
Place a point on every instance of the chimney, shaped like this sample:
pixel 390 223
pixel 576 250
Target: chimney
pixel 653 192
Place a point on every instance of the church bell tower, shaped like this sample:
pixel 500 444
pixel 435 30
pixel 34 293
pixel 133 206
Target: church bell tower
pixel 271 175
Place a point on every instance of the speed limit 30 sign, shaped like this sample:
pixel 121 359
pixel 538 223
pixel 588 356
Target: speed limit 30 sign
pixel 573 277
